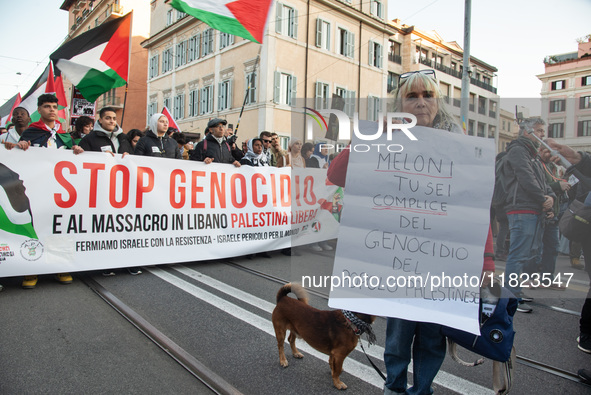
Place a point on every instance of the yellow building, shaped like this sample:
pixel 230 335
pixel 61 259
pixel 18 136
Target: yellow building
pixel 566 96
pixel 507 129
pixel 317 50
pixel 87 14
pixel 412 49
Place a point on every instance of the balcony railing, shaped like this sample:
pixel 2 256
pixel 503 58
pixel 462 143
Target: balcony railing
pixel 395 58
pixel 482 110
pixel 455 73
pixel 458 102
pixel 114 101
pixel 483 85
pixel 492 114
pixel 472 107
pixel 448 70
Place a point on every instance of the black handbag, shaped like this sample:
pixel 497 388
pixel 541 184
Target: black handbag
pixel 496 332
pixel 575 223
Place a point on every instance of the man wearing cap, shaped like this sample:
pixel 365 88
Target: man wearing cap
pixel 214 148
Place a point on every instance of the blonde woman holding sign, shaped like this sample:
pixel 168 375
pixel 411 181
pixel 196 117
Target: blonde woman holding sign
pixel 418 94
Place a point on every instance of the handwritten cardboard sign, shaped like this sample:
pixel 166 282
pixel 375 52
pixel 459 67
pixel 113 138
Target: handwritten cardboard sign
pixel 412 236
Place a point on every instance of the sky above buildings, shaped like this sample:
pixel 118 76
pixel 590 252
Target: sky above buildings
pixel 512 35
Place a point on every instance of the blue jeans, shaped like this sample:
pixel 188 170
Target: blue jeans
pixel 549 248
pixel 428 353
pixel 524 248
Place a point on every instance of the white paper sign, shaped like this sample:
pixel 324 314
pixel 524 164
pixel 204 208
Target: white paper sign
pixel 412 236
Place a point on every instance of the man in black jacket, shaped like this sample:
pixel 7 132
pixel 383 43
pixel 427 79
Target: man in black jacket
pixel 529 202
pixel 48 133
pixel 582 162
pixel 106 135
pixel 215 148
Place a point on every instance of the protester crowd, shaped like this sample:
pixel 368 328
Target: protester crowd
pixel 535 193
pixel 157 140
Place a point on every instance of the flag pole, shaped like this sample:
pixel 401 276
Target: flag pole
pixel 128 69
pixel 124 102
pixel 256 63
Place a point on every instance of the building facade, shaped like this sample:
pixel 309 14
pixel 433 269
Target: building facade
pixel 566 96
pixel 87 14
pixel 507 129
pixel 315 50
pixel 411 49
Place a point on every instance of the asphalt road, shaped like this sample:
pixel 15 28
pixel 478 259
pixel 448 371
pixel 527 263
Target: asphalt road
pixel 60 339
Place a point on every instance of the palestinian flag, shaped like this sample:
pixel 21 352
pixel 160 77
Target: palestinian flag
pixel 243 18
pixel 97 60
pixel 55 86
pixel 45 84
pixel 10 105
pixel 15 211
pixel 171 122
pixel 30 98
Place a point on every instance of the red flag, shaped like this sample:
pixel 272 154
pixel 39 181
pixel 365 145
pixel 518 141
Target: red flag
pixel 50 86
pixel 62 102
pixel 55 85
pixel 171 122
pixel 7 119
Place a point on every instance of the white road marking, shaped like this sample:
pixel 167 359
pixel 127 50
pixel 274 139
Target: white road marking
pixel 357 369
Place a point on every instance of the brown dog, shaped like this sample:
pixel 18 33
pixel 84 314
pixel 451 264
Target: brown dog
pixel 329 332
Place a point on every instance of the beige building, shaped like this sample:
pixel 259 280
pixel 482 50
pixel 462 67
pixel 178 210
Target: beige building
pixel 331 48
pixel 566 96
pixel 87 14
pixel 411 49
pixel 507 129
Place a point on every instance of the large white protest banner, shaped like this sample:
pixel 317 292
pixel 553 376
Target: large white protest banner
pixel 412 236
pixel 61 212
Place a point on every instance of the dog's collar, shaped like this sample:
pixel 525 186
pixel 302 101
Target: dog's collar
pixel 361 326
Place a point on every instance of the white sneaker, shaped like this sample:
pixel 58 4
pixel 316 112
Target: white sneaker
pixel 315 247
pixel 326 246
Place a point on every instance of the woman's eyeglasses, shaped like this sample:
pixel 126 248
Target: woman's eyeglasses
pixel 404 76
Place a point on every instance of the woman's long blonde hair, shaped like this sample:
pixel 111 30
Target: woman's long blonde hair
pixel 444 119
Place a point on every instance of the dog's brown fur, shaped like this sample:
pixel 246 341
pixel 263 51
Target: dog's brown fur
pixel 326 331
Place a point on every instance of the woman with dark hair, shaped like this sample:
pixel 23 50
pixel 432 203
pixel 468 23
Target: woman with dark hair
pixel 134 135
pixel 307 150
pixel 82 127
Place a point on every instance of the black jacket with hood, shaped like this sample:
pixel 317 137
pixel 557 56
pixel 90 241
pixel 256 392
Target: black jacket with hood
pixel 152 145
pixel 99 140
pixel 526 187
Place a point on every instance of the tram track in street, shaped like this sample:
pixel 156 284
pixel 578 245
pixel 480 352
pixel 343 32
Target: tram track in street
pixel 201 372
pixel 546 368
pixel 216 383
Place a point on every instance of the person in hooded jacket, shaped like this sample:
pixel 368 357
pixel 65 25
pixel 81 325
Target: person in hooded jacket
pixel 321 155
pixel 106 135
pixel 255 155
pixel 156 142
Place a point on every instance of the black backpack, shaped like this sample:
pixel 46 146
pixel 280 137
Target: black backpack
pixel 500 192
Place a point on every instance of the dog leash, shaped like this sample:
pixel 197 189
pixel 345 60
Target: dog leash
pixel 361 327
pixel 371 362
